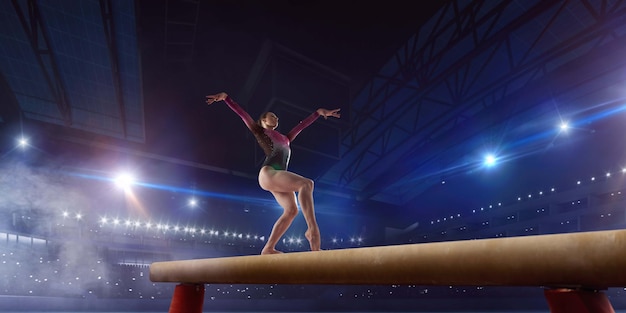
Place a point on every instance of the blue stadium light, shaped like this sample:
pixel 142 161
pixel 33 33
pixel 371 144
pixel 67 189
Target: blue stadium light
pixel 490 160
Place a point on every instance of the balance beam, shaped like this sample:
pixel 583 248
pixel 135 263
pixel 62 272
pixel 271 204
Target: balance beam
pixel 584 261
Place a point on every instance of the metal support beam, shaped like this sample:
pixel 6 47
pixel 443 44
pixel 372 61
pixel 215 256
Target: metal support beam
pixel 39 42
pixel 106 9
pixel 181 24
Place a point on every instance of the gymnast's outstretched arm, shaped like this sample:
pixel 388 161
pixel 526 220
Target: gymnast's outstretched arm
pixel 222 96
pixel 309 120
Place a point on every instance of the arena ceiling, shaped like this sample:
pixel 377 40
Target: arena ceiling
pixel 425 91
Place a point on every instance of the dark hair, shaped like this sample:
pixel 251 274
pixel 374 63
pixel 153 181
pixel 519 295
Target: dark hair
pixel 262 117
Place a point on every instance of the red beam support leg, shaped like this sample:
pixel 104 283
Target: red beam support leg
pixel 188 298
pixel 565 300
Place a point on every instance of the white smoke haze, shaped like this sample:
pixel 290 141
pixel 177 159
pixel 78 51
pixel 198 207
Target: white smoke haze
pixel 32 202
pixel 26 187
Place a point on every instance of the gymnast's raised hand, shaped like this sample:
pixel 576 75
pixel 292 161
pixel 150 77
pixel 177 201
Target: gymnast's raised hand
pixel 216 97
pixel 326 113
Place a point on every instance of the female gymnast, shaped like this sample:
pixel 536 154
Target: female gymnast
pixel 274 176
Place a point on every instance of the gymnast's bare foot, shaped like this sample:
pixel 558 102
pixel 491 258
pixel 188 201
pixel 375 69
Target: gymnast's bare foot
pixel 270 251
pixel 313 236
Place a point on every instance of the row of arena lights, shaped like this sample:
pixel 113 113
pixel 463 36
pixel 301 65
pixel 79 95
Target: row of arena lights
pixel 176 228
pixel 166 227
pixel 192 230
pixel 491 206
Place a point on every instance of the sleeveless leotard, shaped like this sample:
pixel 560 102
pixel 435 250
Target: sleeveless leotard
pixel 274 144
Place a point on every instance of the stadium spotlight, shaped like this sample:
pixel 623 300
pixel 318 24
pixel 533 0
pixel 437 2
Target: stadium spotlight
pixel 124 180
pixel 193 202
pixel 490 160
pixel 22 142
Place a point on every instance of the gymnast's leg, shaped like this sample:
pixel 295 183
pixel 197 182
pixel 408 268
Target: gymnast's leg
pixel 280 182
pixel 287 200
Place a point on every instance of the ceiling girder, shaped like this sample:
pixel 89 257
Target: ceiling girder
pixel 359 146
pixel 181 24
pixel 106 9
pixel 532 66
pixel 536 65
pixel 40 43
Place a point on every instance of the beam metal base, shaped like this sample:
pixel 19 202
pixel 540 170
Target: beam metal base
pixel 188 298
pixel 565 300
